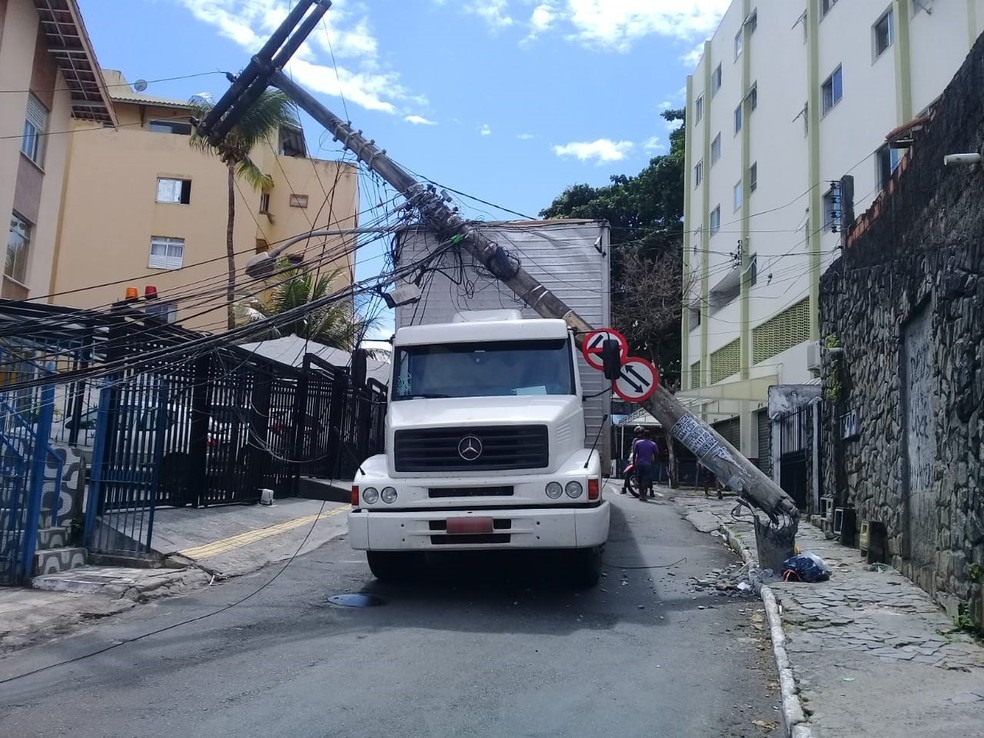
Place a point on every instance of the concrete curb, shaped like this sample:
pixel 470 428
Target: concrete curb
pixel 793 717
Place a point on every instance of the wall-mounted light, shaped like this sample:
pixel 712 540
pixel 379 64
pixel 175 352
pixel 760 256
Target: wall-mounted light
pixel 968 159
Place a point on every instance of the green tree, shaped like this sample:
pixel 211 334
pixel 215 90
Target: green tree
pixel 261 122
pixel 645 213
pixel 335 325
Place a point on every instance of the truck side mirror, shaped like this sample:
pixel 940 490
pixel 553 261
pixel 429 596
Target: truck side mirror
pixel 611 356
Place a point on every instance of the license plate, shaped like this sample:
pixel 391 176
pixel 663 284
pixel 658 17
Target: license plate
pixel 469 526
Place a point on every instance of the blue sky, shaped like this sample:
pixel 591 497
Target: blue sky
pixel 508 100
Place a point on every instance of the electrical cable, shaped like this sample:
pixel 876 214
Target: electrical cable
pixel 166 628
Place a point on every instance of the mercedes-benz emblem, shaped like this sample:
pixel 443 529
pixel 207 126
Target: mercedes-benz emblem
pixel 469 448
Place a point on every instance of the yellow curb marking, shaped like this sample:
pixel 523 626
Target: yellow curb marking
pixel 244 539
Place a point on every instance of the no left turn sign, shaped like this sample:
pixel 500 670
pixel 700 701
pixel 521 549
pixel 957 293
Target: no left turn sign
pixel 638 380
pixel 594 342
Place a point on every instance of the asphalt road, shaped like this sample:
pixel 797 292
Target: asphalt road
pixel 480 646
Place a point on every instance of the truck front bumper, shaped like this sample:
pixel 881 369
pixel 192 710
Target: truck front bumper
pixel 556 527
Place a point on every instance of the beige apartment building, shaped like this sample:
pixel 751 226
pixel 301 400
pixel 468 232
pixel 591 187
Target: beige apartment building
pixel 142 208
pixel 49 78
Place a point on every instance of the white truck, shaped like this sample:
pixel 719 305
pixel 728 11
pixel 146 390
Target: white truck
pixel 485 448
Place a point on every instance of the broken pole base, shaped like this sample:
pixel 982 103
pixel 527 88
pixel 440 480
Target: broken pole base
pixel 774 543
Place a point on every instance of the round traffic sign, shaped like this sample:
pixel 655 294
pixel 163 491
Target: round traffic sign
pixel 594 343
pixel 638 380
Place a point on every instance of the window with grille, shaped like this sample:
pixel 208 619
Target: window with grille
pixel 716 148
pixel 753 176
pixel 716 80
pixel 738 119
pixel 18 245
pixel 715 224
pixel 166 253
pixel 35 129
pixel 725 361
pixel 699 173
pixel 698 109
pixel 695 375
pixel 789 328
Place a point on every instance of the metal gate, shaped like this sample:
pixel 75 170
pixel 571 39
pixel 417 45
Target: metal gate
pixel 764 427
pixel 793 455
pixel 25 427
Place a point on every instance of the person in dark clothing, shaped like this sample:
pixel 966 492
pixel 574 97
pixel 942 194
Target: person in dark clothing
pixel 630 475
pixel 644 460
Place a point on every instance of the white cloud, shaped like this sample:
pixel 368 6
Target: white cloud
pixel 419 120
pixel 654 144
pixel 493 12
pixel 525 136
pixel 345 34
pixel 615 25
pixel 692 58
pixel 485 130
pixel 601 150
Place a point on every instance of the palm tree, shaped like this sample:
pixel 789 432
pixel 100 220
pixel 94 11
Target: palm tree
pixel 257 125
pixel 335 325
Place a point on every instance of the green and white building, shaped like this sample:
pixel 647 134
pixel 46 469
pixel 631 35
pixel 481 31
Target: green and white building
pixel 789 97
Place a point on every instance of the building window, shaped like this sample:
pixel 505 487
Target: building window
pixel 18 246
pixel 886 160
pixel 738 119
pixel 739 40
pixel 170 126
pixel 265 202
pixel 298 201
pixel 753 175
pixel 832 209
pixel 832 90
pixel 883 33
pixel 825 6
pixel 716 149
pixel 177 191
pixel 753 97
pixel 738 196
pixel 699 173
pixel 35 129
pixel 752 270
pixel 715 220
pixel 166 312
pixel 917 6
pixel 752 21
pixel 166 253
pixel 716 79
pixel 698 109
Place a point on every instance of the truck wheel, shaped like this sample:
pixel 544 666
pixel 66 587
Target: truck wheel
pixel 586 570
pixel 393 566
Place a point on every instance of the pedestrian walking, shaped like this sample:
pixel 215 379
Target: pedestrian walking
pixel 644 461
pixel 630 473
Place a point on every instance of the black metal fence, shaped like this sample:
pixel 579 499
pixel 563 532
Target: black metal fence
pixel 193 426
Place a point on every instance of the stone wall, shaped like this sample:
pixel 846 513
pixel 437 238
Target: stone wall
pixel 903 308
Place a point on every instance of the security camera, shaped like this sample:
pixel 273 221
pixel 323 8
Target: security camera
pixel 403 294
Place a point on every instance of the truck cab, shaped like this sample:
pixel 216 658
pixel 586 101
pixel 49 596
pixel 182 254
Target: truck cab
pixel 485 448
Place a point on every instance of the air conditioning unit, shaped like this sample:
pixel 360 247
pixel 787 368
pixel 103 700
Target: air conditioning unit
pixel 813 356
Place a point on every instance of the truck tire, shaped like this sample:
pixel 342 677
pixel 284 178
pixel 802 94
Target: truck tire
pixel 586 569
pixel 393 566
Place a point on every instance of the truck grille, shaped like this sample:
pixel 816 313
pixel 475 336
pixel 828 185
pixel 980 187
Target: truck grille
pixel 447 449
pixel 434 492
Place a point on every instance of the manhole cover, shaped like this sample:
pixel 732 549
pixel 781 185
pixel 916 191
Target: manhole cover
pixel 355 600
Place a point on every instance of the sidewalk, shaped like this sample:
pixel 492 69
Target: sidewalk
pixel 870 653
pixel 203 546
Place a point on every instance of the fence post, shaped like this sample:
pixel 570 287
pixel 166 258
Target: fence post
pixel 197 452
pixel 98 464
pixel 336 414
pixel 259 460
pixel 300 412
pixel 36 483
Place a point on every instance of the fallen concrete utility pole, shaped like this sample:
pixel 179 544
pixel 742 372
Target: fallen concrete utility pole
pixel 265 69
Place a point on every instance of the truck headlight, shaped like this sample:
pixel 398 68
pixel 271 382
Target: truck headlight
pixel 370 495
pixel 554 490
pixel 574 490
pixel 388 495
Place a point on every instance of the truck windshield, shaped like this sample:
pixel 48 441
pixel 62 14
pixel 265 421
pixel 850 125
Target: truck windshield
pixel 543 367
